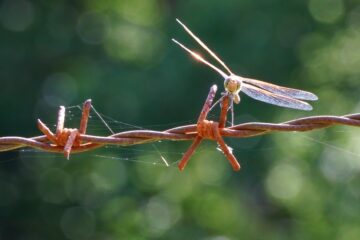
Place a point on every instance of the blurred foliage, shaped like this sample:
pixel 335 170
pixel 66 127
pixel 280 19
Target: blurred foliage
pixel 119 53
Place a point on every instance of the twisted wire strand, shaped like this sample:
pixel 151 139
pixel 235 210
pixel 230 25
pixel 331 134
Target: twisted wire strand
pixel 181 133
pixel 68 141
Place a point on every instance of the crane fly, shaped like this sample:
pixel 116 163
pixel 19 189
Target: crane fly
pixel 259 90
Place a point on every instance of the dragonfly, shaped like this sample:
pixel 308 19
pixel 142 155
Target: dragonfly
pixel 256 89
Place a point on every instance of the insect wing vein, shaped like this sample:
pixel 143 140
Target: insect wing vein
pixel 288 92
pixel 275 99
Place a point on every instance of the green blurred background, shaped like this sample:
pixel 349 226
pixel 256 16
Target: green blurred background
pixel 119 54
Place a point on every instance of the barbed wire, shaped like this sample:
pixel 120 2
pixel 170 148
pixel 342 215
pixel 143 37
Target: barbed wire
pixel 67 141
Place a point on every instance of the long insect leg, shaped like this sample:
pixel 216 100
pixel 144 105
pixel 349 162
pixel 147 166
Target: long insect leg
pixel 217 102
pixel 232 110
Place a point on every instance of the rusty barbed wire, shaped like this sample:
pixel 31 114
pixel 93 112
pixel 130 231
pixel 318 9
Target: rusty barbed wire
pixel 69 141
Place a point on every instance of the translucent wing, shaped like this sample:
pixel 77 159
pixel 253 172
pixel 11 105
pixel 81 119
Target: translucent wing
pixel 289 92
pixel 273 98
pixel 203 45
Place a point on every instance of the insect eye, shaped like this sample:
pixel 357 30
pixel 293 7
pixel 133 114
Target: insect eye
pixel 238 85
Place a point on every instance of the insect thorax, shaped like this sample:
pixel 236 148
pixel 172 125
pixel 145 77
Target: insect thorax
pixel 232 84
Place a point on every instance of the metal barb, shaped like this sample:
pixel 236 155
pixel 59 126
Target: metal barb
pixel 76 141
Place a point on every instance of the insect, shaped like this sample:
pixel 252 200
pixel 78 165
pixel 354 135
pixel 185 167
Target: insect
pixel 259 90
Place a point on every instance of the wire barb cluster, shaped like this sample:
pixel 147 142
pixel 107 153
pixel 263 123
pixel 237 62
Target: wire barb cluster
pixel 69 141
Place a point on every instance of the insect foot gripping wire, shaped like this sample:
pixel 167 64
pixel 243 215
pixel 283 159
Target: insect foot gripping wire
pixel 211 130
pixel 66 137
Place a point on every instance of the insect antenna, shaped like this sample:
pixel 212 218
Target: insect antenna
pixel 204 46
pixel 201 59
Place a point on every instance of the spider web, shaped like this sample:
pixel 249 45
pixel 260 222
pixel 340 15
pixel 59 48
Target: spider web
pixel 247 146
pixel 167 154
pixel 160 154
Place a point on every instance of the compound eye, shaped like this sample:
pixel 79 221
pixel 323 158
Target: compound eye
pixel 238 85
pixel 226 82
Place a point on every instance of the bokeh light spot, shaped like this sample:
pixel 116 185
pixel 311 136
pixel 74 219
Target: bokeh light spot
pixel 146 13
pixel 16 15
pixel 179 187
pixel 77 223
pixel 109 175
pixel 53 185
pixel 133 44
pixel 93 27
pixel 354 18
pixel 59 89
pixel 211 168
pixel 85 189
pixel 348 231
pixel 326 11
pixel 216 210
pixel 337 166
pixel 284 181
pixel 160 216
pixel 218 238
